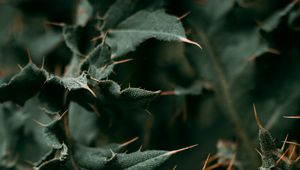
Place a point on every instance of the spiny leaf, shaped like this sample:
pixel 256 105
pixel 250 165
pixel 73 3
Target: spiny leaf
pixel 268 147
pixel 23 85
pixel 88 157
pixel 110 92
pixel 145 160
pixel 144 25
pixel 64 88
pixel 94 158
pixel 108 159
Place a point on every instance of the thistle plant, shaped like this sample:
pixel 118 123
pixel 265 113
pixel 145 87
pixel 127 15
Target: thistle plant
pixel 128 84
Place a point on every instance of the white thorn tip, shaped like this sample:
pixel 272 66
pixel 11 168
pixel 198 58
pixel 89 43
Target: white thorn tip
pixel 183 39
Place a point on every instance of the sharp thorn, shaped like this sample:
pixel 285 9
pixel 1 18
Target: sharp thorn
pixel 92 78
pixel 97 38
pixel 183 39
pixel 39 123
pixel 43 63
pixel 184 15
pixel 292 117
pixel 213 158
pixel 59 24
pixel 206 161
pixel 113 155
pixel 123 61
pixel 63 114
pixel 281 157
pixel 112 56
pixel 104 37
pixel 292 152
pixel 260 154
pixel 284 142
pixel 180 150
pixel 258 121
pixel 85 86
pixel 128 142
pixel 29 56
pixel 167 93
pixel 273 51
pixel 20 67
pixel 297 159
pixel 140 149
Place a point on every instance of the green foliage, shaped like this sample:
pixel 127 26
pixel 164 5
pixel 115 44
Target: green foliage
pixel 91 61
pixel 142 26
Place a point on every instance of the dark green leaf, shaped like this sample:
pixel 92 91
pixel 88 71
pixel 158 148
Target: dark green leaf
pixel 65 88
pixel 24 85
pixel 109 94
pixel 84 132
pixel 94 158
pixel 144 25
pixel 99 158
